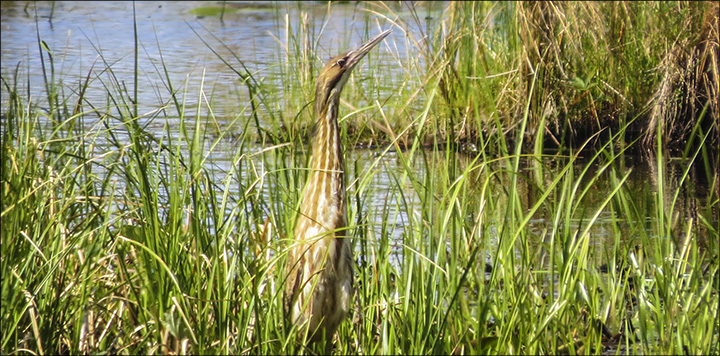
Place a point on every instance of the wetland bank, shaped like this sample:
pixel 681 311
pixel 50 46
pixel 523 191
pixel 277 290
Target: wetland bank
pixel 523 178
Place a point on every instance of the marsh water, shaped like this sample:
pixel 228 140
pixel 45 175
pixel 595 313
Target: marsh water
pixel 86 36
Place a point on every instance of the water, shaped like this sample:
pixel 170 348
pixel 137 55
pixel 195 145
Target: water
pixel 81 35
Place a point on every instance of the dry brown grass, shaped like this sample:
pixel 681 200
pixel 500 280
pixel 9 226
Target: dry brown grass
pixel 689 84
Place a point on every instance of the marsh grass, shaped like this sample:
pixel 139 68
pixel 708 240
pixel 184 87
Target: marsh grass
pixel 120 239
pixel 597 65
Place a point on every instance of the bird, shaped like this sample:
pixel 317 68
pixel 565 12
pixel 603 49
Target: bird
pixel 319 285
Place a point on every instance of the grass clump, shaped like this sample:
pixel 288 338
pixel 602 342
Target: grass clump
pixel 596 65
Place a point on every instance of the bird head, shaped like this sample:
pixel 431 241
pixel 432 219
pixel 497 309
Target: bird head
pixel 335 74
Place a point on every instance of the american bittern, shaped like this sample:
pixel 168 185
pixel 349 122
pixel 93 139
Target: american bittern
pixel 319 287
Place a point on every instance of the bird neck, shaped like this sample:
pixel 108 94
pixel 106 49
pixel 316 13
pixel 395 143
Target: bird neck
pixel 326 181
pixel 327 160
pixel 326 146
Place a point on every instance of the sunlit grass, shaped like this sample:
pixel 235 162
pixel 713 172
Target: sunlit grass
pixel 120 239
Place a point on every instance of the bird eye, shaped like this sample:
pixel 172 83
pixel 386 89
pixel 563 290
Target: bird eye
pixel 340 62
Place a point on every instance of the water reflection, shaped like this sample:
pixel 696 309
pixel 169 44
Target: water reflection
pixel 395 195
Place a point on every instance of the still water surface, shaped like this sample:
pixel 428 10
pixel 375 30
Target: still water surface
pixel 85 37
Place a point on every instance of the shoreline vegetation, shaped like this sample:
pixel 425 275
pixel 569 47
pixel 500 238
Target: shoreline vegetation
pixel 118 240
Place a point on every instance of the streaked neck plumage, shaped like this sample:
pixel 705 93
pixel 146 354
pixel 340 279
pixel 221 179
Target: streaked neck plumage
pixel 326 182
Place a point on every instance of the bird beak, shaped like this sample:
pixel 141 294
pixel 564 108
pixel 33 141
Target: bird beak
pixel 354 56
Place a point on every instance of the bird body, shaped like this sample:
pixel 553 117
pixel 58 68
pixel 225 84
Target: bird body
pixel 319 286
